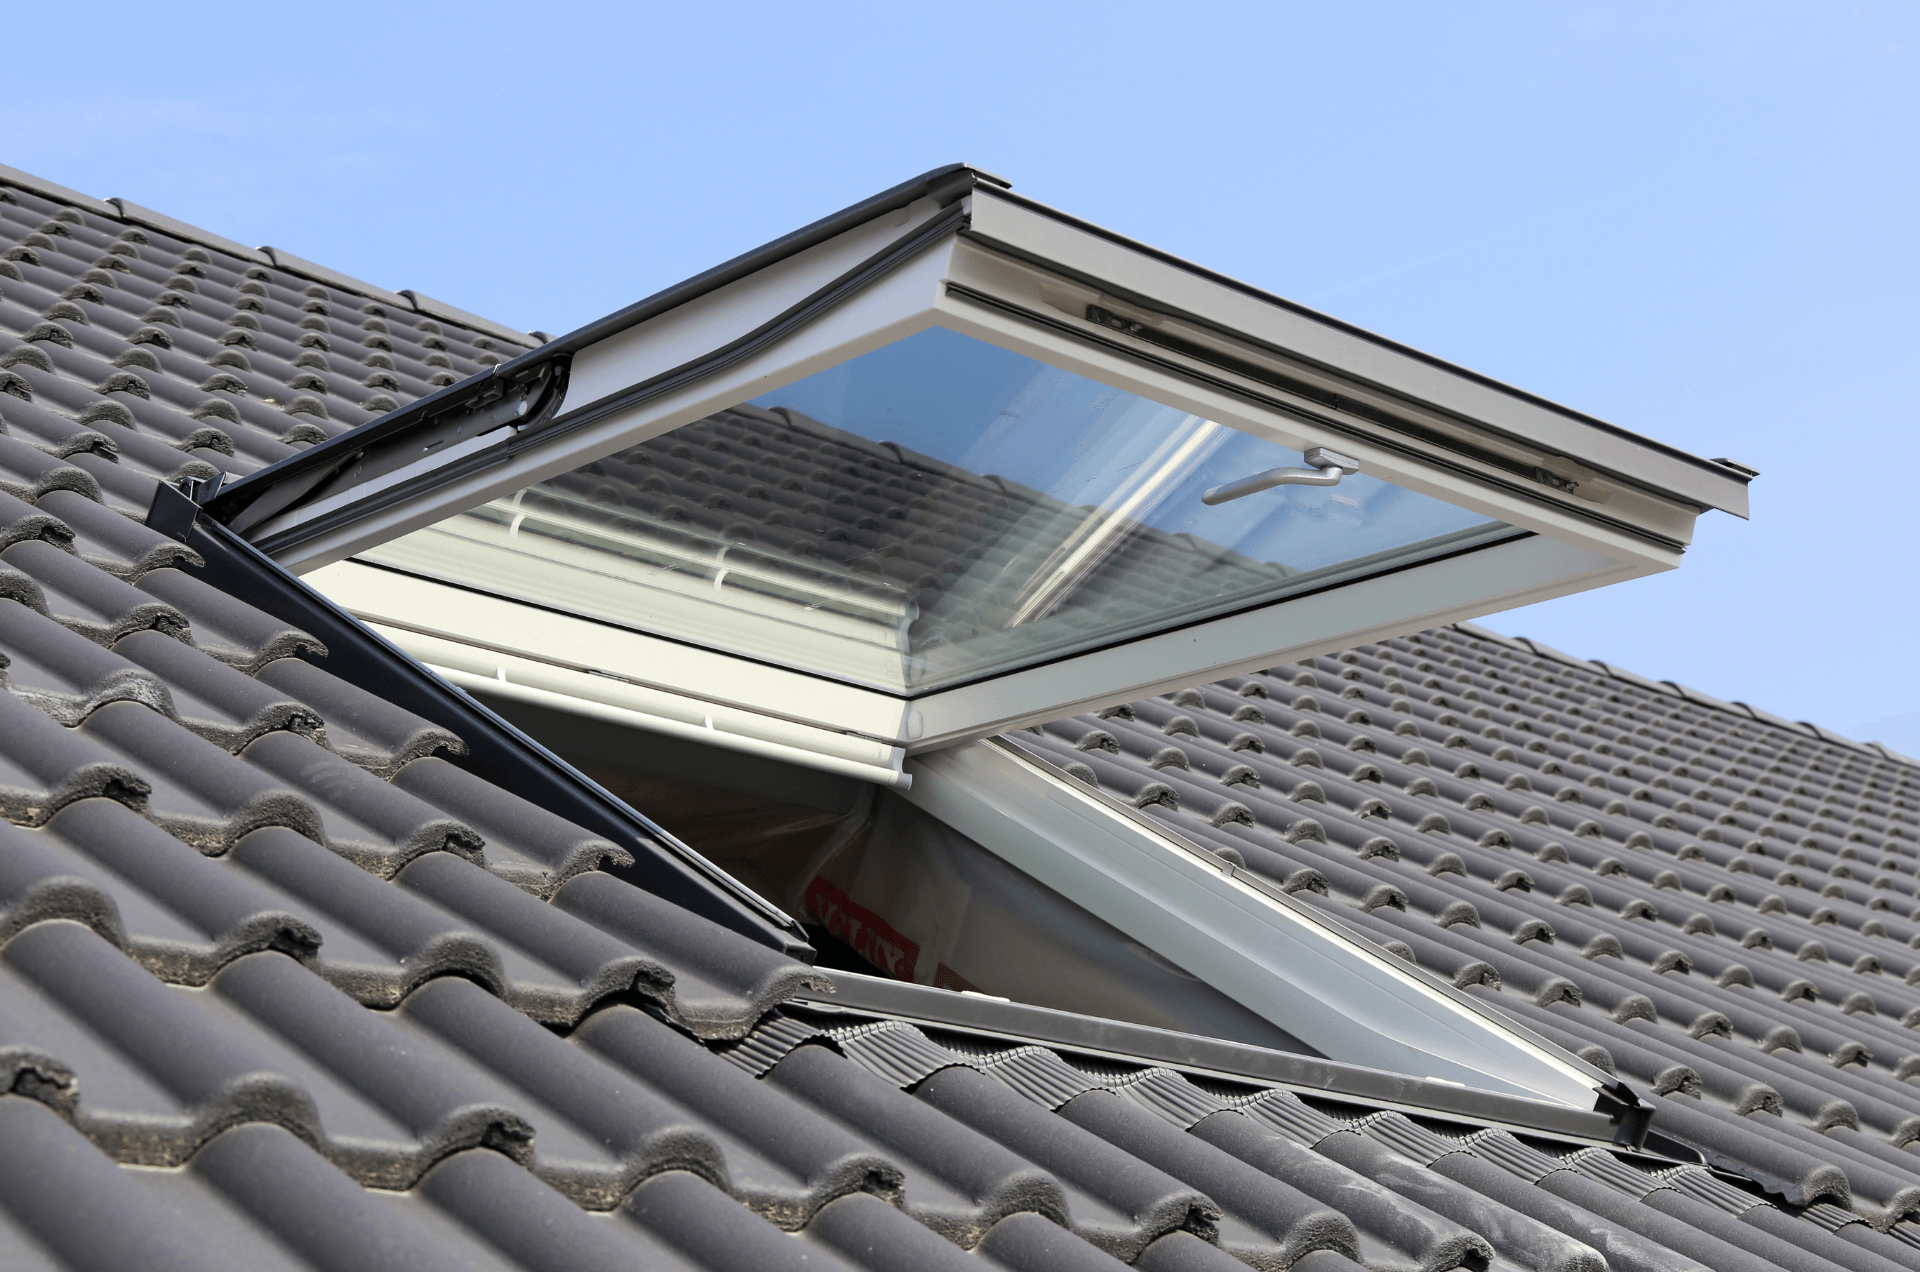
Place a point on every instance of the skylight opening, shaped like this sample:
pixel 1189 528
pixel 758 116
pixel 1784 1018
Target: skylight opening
pixel 885 889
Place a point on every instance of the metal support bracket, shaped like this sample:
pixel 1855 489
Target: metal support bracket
pixel 1328 468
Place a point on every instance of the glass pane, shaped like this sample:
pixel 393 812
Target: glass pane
pixel 929 513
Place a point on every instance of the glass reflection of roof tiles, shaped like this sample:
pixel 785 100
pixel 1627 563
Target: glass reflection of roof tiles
pixel 878 519
pixel 927 571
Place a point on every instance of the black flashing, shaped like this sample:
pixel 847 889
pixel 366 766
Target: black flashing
pixel 485 402
pixel 497 752
pixel 945 185
pixel 521 393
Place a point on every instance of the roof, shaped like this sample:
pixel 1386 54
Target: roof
pixel 1715 903
pixel 286 981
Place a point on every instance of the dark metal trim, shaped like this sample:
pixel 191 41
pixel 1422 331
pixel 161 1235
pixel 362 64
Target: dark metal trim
pixel 496 750
pixel 871 996
pixel 553 423
pixel 294 479
pixel 1093 334
pixel 775 329
pixel 476 405
pixel 946 185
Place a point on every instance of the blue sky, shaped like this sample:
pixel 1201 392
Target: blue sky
pixel 1693 219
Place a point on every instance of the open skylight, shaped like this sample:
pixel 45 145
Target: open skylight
pixel 947 463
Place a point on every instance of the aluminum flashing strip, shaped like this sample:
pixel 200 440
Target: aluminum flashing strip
pixel 1110 1040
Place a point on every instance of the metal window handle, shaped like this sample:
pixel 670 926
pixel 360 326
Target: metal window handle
pixel 1328 468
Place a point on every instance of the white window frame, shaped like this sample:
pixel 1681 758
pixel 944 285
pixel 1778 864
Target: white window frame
pixel 1009 272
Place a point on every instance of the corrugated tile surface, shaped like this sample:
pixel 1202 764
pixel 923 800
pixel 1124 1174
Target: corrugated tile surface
pixel 283 986
pixel 1718 905
pixel 126 350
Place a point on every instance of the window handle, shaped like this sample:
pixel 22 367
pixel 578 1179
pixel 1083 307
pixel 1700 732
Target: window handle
pixel 1328 468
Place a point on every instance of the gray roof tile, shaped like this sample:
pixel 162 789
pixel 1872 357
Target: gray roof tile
pixel 373 733
pixel 1615 1235
pixel 1713 900
pixel 956 1181
pixel 65 674
pixel 116 544
pixel 215 701
pixel 89 600
pixel 65 1204
pixel 229 629
pixel 375 824
pixel 180 914
pixel 1117 1201
pixel 156 1071
pixel 1029 1243
pixel 1523 1239
pixel 195 789
pixel 1265 1220
pixel 320 273
pixel 1380 1214
pixel 722 984
pixel 527 844
pixel 46 767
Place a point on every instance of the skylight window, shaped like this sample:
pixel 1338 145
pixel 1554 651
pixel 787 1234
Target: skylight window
pixel 927 514
pixel 946 463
